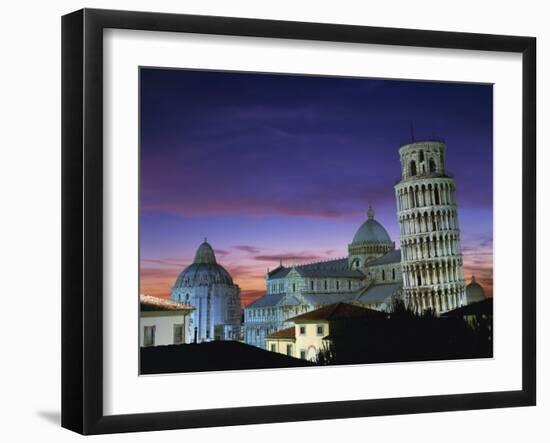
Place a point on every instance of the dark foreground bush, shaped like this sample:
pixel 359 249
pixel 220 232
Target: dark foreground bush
pixel 407 336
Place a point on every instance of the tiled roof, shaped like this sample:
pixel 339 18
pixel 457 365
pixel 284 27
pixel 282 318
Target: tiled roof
pixel 379 293
pixel 338 311
pixel 268 300
pixel 279 272
pixel 284 333
pixel 326 299
pixel 150 303
pixel 329 268
pixel 393 256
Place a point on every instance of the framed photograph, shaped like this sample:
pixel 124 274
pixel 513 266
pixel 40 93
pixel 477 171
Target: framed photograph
pixel 269 221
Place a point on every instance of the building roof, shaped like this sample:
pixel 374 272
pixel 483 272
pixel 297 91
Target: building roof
pixel 378 293
pixel 394 256
pixel 284 333
pixel 279 272
pixel 326 299
pixel 337 311
pixel 329 268
pixel 371 231
pixel 270 300
pixel 204 270
pixel 205 254
pixel 150 303
pixel 474 291
pixel 212 356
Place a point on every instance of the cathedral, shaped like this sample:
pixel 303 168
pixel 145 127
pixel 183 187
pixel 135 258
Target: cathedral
pixel 425 273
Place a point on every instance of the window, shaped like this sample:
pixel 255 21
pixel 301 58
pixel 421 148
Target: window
pixel 413 168
pixel 178 334
pixel 349 285
pixel 293 287
pixel 303 354
pixel 432 165
pixel 288 349
pixel 149 336
pixel 383 275
pixel 337 285
pixel 326 285
pixel 320 330
pixel 421 156
pixel 311 284
pixel 302 330
pixel 273 347
pixel 393 274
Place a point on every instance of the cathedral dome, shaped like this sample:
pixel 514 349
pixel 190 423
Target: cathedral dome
pixel 474 291
pixel 204 270
pixel 371 231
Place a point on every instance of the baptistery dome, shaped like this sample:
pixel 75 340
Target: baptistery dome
pixel 204 270
pixel 474 291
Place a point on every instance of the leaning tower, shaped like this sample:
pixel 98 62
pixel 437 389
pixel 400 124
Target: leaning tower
pixel 431 258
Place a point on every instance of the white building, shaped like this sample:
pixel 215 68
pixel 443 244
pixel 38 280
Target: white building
pixel 163 322
pixel 210 290
pixel 312 331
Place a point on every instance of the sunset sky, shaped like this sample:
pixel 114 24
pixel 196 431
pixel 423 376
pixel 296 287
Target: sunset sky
pixel 284 166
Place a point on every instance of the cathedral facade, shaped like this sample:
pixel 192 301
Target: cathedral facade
pixel 425 273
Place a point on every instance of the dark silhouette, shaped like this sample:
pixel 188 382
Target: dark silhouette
pixel 212 356
pixel 405 335
pixel 398 336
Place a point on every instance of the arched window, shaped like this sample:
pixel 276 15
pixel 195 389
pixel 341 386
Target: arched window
pixel 293 287
pixel 337 285
pixel 421 156
pixel 312 285
pixel 349 285
pixel 436 194
pixel 393 274
pixel 419 280
pixel 325 285
pixel 432 165
pixel 383 275
pixel 413 167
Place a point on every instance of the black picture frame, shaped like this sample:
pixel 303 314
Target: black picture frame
pixel 82 216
